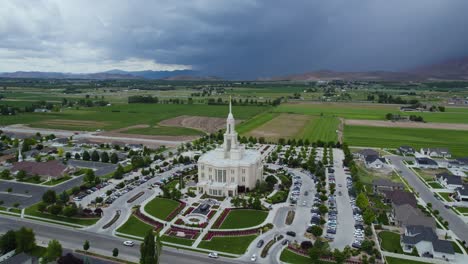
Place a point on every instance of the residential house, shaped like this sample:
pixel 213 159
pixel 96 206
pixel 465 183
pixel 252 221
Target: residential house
pixel 364 153
pixel 449 181
pixel 461 163
pixel 425 240
pixel 406 150
pixel 461 194
pixel 399 197
pixel 381 185
pixel 135 147
pixel 52 169
pixel 60 142
pixel 374 162
pixel 426 163
pixel 21 258
pixel 41 110
pixel 406 215
pixel 436 152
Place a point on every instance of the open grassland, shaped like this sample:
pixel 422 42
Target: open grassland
pixel 124 115
pixel 371 111
pixel 320 128
pixel 386 137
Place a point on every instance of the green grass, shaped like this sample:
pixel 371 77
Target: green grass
pixel 463 210
pixel 234 245
pixel 32 211
pixel 435 185
pixel 320 128
pixel 160 207
pixel 255 122
pixel 134 227
pixel 38 251
pixel 391 260
pixel 289 256
pixel 243 218
pixel 32 180
pixel 177 240
pixel 391 137
pixel 165 131
pixel 445 196
pixel 390 242
pixel 456 248
pixel 57 181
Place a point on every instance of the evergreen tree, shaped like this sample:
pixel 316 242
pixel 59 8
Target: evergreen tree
pixel 95 156
pixel 150 249
pixel 86 155
pixel 114 158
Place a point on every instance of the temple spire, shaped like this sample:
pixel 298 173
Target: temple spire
pixel 230 105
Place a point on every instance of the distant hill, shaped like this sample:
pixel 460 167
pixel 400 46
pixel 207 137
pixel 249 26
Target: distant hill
pixel 456 69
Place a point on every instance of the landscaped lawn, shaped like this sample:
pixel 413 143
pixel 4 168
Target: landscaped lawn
pixel 57 181
pixel 243 218
pixel 390 242
pixel 32 211
pixel 456 248
pixel 463 210
pixel 445 196
pixel 161 207
pixel 391 260
pixel 177 240
pixel 290 257
pixel 134 227
pixel 234 245
pixel 435 185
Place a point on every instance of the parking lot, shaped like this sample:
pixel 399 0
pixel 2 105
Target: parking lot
pixel 100 168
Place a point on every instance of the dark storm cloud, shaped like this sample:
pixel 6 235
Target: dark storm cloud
pixel 242 38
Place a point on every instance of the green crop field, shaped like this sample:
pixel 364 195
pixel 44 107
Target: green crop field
pixel 391 137
pixel 255 122
pixel 320 128
pixel 370 111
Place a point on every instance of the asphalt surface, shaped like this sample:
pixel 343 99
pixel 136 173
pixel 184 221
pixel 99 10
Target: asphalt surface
pixel 456 224
pixel 101 244
pixel 29 194
pixel 100 168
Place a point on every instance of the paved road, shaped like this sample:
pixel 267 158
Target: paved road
pixel 102 244
pixel 33 191
pixel 456 224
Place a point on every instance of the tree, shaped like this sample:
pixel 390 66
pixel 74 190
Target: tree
pixel 114 158
pixel 25 240
pixel 49 197
pixel 95 156
pixel 429 205
pixel 89 176
pixel 115 252
pixel 55 209
pixel 70 211
pixel 54 250
pixel 104 157
pixel 361 201
pixel 150 249
pixel 21 175
pixel 339 256
pixel 118 174
pixel 316 230
pixel 68 155
pixel 86 155
pixel 64 197
pixel 5 174
pixel 368 216
pixel 7 242
pixel 77 156
pixel 86 246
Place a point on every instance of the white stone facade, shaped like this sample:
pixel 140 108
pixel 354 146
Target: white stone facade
pixel 229 168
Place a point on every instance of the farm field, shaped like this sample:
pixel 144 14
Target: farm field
pixel 255 122
pixel 282 126
pixel 165 131
pixel 370 111
pixel 394 137
pixel 320 128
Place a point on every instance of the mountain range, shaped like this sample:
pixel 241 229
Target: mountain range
pixel 455 69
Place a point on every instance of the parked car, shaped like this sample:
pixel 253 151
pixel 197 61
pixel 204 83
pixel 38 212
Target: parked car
pixel 213 255
pixel 291 233
pixel 253 258
pixel 260 243
pixel 128 243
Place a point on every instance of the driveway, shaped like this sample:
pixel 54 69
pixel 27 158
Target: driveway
pixel 456 224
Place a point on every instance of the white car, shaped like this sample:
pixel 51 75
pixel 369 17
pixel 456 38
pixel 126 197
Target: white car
pixel 213 255
pixel 253 258
pixel 128 243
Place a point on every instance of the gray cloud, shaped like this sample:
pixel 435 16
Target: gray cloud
pixel 241 39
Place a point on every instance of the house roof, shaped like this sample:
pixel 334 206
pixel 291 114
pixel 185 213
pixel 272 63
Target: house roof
pixel 386 183
pixel 368 152
pixel 426 161
pixel 419 233
pixel 20 258
pixel 410 216
pixel 398 197
pixel 52 168
pixel 463 191
pixel 463 160
pixel 450 178
pixel 373 158
pixel 443 246
pixel 437 150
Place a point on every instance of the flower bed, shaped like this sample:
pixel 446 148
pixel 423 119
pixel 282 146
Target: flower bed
pixel 157 225
pixel 189 210
pixel 211 214
pixel 221 218
pixel 212 234
pixel 176 211
pixel 188 233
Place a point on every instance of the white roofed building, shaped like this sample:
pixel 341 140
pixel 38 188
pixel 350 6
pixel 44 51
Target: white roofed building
pixel 230 168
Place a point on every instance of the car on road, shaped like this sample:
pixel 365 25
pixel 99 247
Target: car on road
pixel 128 243
pixel 291 233
pixel 213 255
pixel 285 242
pixel 253 258
pixel 260 243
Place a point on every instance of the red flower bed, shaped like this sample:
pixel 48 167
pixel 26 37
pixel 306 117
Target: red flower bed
pixel 179 222
pixel 210 214
pixel 189 210
pixel 157 225
pixel 212 234
pixel 221 218
pixel 176 211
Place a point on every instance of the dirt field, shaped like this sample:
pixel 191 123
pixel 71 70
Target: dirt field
pixel 203 123
pixel 135 136
pixel 282 126
pixel 377 123
pixel 72 123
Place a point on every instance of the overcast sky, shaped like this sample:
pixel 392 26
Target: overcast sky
pixel 235 38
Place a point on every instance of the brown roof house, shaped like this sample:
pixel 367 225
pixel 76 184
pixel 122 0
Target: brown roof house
pixel 406 215
pixel 381 185
pixel 53 169
pixel 398 197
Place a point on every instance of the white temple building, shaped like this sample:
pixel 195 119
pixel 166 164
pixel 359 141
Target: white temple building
pixel 230 168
